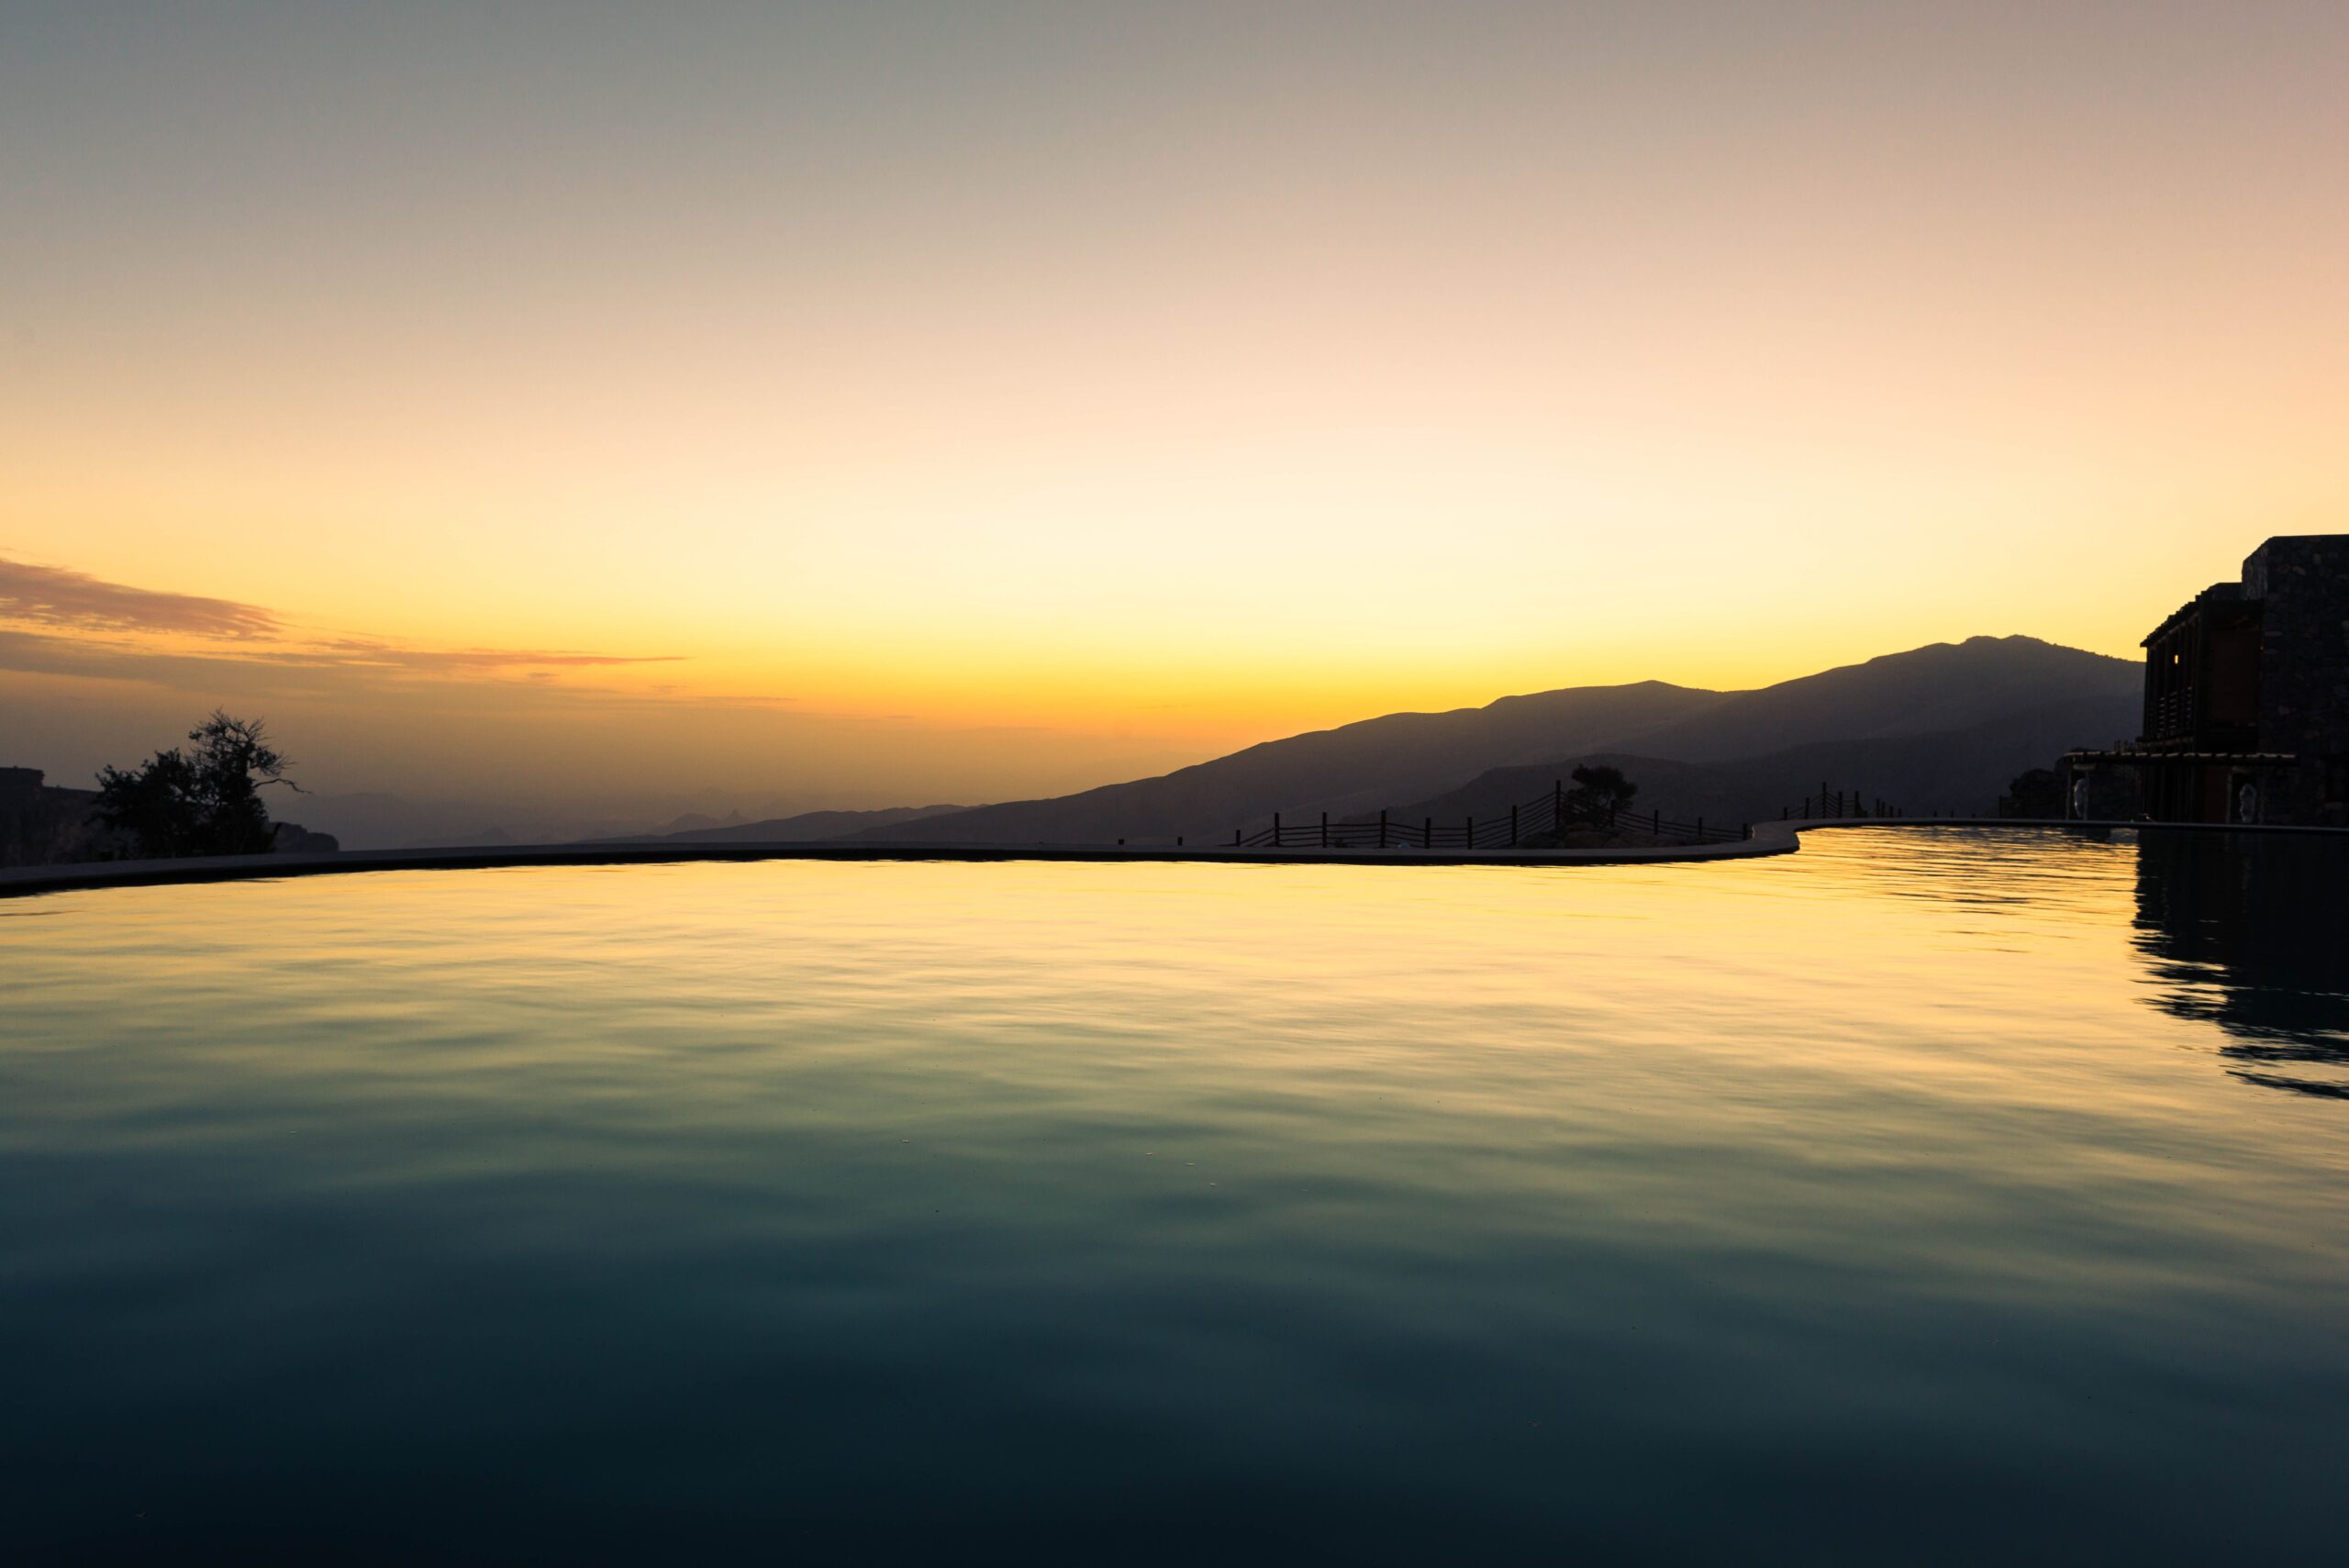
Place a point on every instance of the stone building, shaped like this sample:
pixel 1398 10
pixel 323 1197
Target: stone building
pixel 39 824
pixel 2246 714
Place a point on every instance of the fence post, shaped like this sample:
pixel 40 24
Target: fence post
pixel 1746 832
pixel 1427 834
pixel 1655 823
pixel 1471 835
pixel 1235 837
pixel 1325 830
pixel 1276 830
pixel 1382 826
pixel 1512 827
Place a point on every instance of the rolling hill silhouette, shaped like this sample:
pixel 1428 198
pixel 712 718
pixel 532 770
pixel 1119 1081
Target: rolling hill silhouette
pixel 1940 727
pixel 1399 757
pixel 808 827
pixel 1949 771
pixel 1944 687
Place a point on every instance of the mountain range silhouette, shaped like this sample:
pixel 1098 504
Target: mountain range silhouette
pixel 1942 727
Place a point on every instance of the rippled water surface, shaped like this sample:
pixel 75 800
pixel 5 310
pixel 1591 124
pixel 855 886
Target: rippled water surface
pixel 1928 1195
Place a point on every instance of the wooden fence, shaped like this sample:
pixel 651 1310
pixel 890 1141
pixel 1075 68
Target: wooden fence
pixel 1499 831
pixel 1543 814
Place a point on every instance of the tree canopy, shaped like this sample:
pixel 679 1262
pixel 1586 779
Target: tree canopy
pixel 1598 794
pixel 2037 792
pixel 202 801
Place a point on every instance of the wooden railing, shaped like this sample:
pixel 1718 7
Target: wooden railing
pixel 1839 803
pixel 1543 814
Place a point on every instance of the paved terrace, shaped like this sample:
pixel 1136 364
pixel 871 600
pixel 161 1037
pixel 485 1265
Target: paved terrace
pixel 1769 838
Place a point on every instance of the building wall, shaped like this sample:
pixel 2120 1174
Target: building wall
pixel 2240 675
pixel 41 826
pixel 2304 670
pixel 2232 657
pixel 2203 674
pixel 2115 792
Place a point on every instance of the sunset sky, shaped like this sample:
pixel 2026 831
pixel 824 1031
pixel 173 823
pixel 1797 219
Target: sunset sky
pixel 948 401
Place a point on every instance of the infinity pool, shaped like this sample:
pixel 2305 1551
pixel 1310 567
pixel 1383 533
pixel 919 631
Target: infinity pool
pixel 1928 1195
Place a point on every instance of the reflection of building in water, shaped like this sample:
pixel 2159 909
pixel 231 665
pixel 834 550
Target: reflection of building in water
pixel 2246 702
pixel 2245 932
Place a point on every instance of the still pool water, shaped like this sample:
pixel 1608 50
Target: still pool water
pixel 1926 1196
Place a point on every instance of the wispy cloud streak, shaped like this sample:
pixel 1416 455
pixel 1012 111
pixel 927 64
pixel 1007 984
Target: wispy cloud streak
pixel 54 621
pixel 58 596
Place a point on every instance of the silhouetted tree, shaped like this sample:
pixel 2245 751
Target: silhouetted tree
pixel 2038 793
pixel 204 801
pixel 1598 794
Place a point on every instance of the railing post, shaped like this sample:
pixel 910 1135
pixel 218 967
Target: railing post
pixel 1655 823
pixel 1276 830
pixel 1427 834
pixel 1235 837
pixel 1382 826
pixel 1471 836
pixel 1325 830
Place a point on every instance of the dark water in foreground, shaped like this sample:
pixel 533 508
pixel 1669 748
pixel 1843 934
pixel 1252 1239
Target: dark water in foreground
pixel 1925 1196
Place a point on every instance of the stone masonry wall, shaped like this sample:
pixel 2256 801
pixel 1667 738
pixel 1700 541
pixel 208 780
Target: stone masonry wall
pixel 2304 665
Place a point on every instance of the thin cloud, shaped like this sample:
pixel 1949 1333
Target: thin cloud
pixel 57 621
pixel 56 596
pixel 253 672
pixel 390 655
